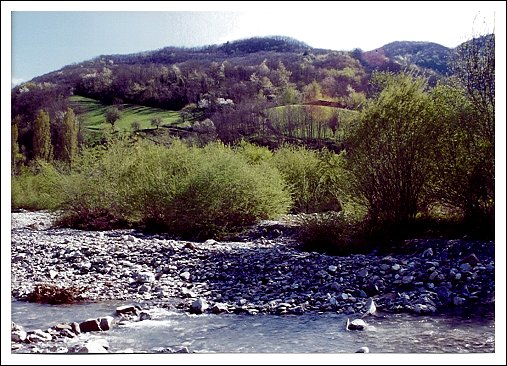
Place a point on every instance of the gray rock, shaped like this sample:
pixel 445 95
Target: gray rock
pixel 332 268
pixel 356 324
pixel 395 267
pixel 18 335
pixel 370 307
pixel 407 279
pixel 75 327
pixel 93 346
pixel 144 277
pixel 363 350
pixel 144 316
pixel 106 322
pixel 185 275
pixel 363 272
pixel 219 308
pixel 52 274
pixel 198 306
pixel 90 325
pixel 420 308
pixel 427 253
pixel 210 242
pixel 126 309
pixel 38 336
pixel 465 267
pixel 458 301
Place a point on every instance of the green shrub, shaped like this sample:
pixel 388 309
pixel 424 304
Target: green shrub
pixel 222 193
pixel 333 233
pixel 37 188
pixel 191 192
pixel 253 153
pixel 315 179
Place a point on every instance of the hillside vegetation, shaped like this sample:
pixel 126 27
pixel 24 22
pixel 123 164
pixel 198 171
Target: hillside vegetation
pixel 201 142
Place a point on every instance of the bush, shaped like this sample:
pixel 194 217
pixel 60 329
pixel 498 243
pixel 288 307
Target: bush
pixel 52 294
pixel 222 193
pixel 191 192
pixel 315 179
pixel 332 233
pixel 36 188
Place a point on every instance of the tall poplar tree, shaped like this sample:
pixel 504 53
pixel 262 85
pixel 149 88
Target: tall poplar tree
pixel 69 141
pixel 42 148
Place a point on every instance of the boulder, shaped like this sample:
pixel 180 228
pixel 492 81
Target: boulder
pixel 144 316
pixel 370 307
pixel 106 322
pixel 363 350
pixel 198 306
pixel 356 324
pixel 126 309
pixel 219 308
pixel 90 325
pixel 18 335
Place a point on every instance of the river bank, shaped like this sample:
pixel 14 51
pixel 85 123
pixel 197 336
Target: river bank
pixel 257 276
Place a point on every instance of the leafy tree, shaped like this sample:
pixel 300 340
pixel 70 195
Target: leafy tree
pixel 156 122
pixel 112 115
pixel 464 157
pixel 69 136
pixel 15 154
pixel 135 126
pixel 389 152
pixel 42 148
pixel 474 66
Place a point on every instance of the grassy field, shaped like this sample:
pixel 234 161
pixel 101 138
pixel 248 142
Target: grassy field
pixel 92 113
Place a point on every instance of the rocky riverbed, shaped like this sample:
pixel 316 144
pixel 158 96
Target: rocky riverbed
pixel 262 274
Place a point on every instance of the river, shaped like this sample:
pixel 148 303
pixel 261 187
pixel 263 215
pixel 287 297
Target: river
pixel 463 332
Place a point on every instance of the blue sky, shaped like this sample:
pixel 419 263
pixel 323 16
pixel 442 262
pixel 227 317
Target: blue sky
pixel 44 41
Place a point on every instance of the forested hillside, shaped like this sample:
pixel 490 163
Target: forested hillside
pixel 392 136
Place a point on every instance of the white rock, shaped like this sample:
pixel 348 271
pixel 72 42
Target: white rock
pixel 363 350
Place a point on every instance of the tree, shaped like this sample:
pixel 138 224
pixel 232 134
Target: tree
pixel 69 136
pixel 112 115
pixel 42 148
pixel 464 157
pixel 389 152
pixel 474 66
pixel 15 154
pixel 135 126
pixel 156 122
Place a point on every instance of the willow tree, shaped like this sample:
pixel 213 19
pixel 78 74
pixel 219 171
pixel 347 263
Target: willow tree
pixel 69 142
pixel 389 152
pixel 42 148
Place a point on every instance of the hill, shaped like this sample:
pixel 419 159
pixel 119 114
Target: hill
pixel 233 84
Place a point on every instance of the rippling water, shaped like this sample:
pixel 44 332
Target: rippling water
pixel 309 333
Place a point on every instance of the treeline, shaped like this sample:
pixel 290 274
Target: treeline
pixel 413 154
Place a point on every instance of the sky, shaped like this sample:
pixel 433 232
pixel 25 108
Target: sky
pixel 40 37
pixel 45 41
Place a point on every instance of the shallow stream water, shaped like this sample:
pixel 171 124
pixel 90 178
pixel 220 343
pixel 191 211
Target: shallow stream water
pixel 463 332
